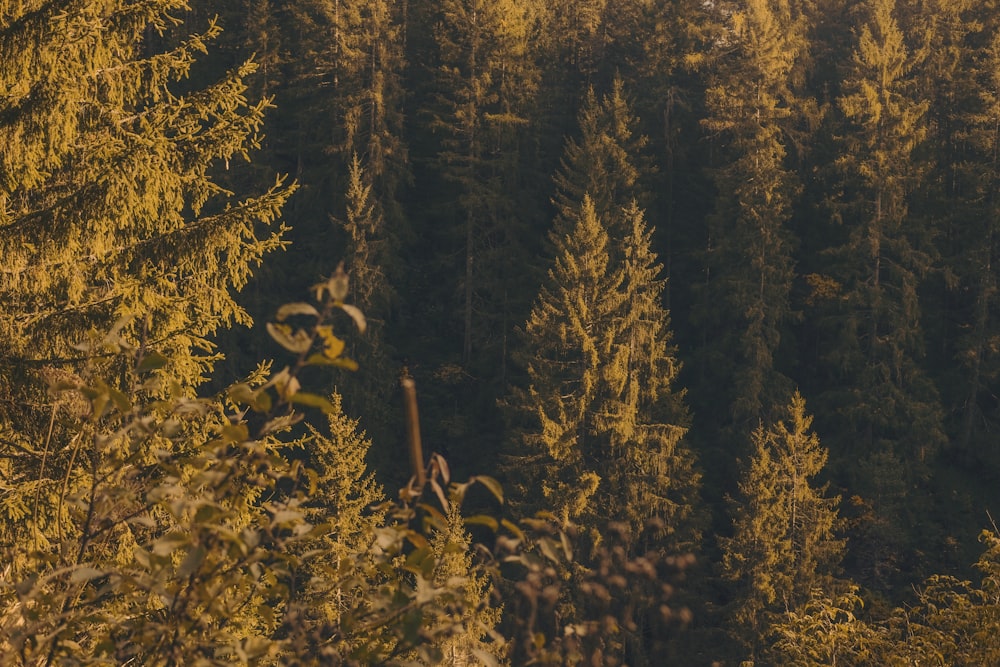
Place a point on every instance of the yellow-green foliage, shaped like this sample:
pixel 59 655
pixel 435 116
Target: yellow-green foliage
pixel 474 634
pixel 600 423
pixel 783 547
pixel 753 109
pixel 952 624
pixel 107 204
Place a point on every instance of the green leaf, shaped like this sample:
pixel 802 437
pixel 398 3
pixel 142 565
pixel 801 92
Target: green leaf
pixel 320 359
pixel 98 405
pixel 296 343
pixel 433 517
pixel 85 573
pixel 235 432
pixel 151 362
pixel 483 520
pixel 240 393
pixel 548 549
pixel 345 363
pixel 338 284
pixel 262 401
pixel 439 492
pixel 313 401
pixel 169 543
pixel 566 545
pixel 297 308
pixel 513 528
pixel 491 484
pixel 120 400
pixel 192 561
pixel 356 315
pixel 286 516
pixel 420 561
pixel 332 346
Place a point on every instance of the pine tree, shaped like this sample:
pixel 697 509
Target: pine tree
pixel 599 427
pixel 889 408
pixel 606 162
pixel 783 548
pixel 470 642
pixel 346 502
pixel 601 424
pixel 346 496
pixel 368 256
pixel 953 621
pixel 339 126
pixel 754 104
pixel 112 224
pixel 645 413
pixel 108 209
pixel 566 337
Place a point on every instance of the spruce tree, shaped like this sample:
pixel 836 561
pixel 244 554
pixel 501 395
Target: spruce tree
pixel 888 409
pixel 754 104
pixel 566 337
pixel 654 475
pixel 602 423
pixel 109 209
pixel 470 642
pixel 368 256
pixel 113 226
pixel 783 549
pixel 345 501
pixel 598 428
pixel 606 162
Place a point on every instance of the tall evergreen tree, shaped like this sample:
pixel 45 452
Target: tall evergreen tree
pixel 754 105
pixel 566 336
pixel 118 240
pixel 599 427
pixel 783 549
pixel 483 87
pixel 606 163
pixel 368 254
pixel 602 425
pixel 109 207
pixel 888 403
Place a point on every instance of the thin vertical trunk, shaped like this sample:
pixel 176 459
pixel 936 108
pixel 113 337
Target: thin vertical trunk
pixel 467 343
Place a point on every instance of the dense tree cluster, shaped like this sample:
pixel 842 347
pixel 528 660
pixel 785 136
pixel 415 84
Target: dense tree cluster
pixel 619 245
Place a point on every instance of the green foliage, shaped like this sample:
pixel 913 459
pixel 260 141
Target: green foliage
pixel 783 549
pixel 606 162
pixel 826 631
pixel 189 530
pixel 599 425
pixel 109 209
pixel 476 639
pixel 818 179
pixel 754 107
pixel 953 622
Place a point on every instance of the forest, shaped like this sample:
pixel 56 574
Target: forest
pixel 500 332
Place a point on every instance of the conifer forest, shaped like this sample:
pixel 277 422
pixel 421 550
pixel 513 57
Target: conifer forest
pixel 500 332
